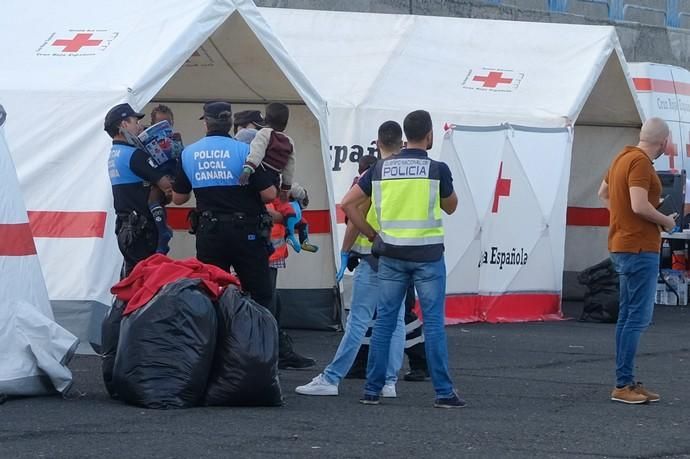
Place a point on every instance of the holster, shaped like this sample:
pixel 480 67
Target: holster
pixel 131 228
pixel 208 222
pixel 264 226
pixel 193 218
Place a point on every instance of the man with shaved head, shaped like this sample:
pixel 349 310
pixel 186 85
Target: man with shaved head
pixel 631 191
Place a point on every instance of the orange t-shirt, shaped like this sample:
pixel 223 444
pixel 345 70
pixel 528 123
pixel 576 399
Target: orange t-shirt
pixel 629 232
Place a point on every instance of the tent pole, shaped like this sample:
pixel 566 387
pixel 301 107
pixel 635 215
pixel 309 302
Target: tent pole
pixel 608 124
pixel 177 100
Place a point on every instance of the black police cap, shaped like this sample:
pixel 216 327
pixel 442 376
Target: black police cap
pixel 120 112
pixel 218 110
pixel 249 116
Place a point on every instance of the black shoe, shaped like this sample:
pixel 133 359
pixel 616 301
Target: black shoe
pixel 288 358
pixel 369 400
pixel 294 361
pixel 450 402
pixel 416 375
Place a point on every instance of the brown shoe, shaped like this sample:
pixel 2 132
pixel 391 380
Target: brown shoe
pixel 651 396
pixel 628 394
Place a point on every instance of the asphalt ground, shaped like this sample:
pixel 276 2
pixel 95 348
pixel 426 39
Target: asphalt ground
pixel 533 390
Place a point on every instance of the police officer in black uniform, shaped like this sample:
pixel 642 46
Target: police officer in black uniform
pixel 232 225
pixel 132 172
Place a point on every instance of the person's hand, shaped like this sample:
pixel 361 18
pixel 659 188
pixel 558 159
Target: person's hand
pixel 670 222
pixel 344 257
pixel 244 177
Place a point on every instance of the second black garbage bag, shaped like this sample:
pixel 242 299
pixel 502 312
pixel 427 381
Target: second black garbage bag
pixel 245 367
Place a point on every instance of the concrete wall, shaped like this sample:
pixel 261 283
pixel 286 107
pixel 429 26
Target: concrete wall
pixel 642 32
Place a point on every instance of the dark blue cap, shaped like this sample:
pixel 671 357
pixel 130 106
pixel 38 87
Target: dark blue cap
pixel 219 110
pixel 119 113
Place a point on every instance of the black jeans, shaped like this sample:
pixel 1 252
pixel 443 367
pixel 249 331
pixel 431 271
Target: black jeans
pixel 226 244
pixel 137 240
pixel 275 299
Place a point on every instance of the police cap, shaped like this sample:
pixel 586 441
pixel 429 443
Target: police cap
pixel 119 113
pixel 218 110
pixel 249 116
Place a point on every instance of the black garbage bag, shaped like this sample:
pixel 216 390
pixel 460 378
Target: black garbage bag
pixel 602 294
pixel 165 351
pixel 245 367
pixel 110 334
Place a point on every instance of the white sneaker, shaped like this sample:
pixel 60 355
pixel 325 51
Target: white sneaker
pixel 318 386
pixel 388 391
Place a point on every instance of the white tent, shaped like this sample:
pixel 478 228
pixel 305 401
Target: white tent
pixel 547 105
pixel 35 350
pixel 664 91
pixel 76 62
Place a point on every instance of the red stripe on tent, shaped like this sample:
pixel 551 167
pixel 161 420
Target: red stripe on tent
pixel 177 217
pixel 663 86
pixel 319 220
pixel 67 224
pixel 509 307
pixel 586 216
pixel 16 240
pixel 682 88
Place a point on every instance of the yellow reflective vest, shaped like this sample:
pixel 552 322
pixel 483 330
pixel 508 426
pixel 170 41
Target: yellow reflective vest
pixel 407 203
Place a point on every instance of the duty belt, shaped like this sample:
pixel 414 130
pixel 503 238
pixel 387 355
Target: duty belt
pixel 231 217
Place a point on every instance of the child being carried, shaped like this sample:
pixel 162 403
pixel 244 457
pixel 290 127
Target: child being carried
pixel 273 150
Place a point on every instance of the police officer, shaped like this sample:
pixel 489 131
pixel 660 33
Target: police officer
pixel 131 173
pixel 233 225
pixel 402 188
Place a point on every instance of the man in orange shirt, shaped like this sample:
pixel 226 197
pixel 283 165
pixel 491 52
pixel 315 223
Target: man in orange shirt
pixel 631 191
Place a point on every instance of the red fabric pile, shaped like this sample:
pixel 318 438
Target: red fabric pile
pixel 150 275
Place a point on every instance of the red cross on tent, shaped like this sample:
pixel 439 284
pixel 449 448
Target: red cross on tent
pixel 502 188
pixel 75 44
pixel 493 79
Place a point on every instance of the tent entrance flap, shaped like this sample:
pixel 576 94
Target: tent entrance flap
pixel 231 64
pixel 611 101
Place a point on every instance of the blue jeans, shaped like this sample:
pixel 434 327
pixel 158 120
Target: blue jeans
pixel 364 298
pixel 430 281
pixel 638 275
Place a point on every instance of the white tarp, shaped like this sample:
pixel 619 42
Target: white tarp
pixel 74 62
pixel 34 349
pixel 477 75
